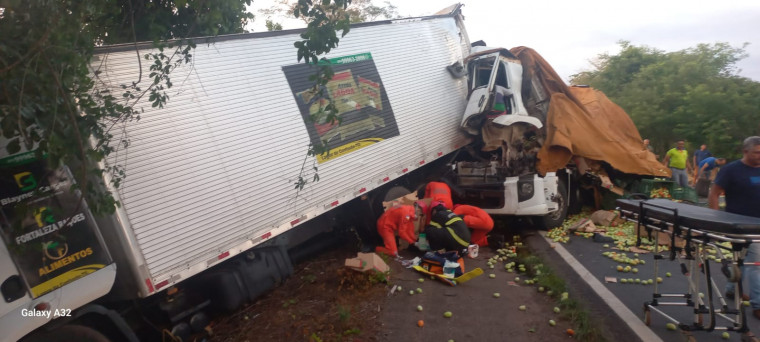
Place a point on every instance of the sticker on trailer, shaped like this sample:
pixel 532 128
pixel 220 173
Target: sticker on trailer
pixel 360 101
pixel 50 234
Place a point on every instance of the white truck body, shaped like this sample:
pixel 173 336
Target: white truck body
pixel 212 174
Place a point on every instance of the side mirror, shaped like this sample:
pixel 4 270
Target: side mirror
pixel 457 70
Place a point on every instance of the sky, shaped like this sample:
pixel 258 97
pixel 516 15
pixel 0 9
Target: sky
pixel 569 34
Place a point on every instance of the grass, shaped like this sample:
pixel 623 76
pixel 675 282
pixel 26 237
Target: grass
pixel 571 309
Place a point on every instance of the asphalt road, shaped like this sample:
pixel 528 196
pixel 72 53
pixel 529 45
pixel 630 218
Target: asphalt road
pixel 588 254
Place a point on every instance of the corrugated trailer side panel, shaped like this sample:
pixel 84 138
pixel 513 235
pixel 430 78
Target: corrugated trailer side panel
pixel 212 173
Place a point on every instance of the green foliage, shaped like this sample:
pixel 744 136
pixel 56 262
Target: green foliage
pixel 51 98
pixel 692 94
pixel 272 26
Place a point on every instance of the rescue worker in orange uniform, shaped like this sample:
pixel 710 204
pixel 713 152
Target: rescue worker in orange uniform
pixel 396 219
pixel 476 219
pixel 446 230
pixel 438 191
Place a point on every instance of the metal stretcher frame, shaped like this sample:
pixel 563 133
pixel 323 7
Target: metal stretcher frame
pixel 699 228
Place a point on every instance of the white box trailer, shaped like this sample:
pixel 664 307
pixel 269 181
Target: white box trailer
pixel 211 175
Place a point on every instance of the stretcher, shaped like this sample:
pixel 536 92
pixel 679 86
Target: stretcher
pixel 696 229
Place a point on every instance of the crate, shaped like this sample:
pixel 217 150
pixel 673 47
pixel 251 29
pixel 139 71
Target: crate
pixel 647 185
pixel 685 194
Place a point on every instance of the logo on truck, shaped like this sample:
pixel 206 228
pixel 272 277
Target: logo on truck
pixel 49 233
pixel 359 98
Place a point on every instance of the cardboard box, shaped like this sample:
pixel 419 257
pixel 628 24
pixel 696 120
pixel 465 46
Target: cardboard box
pixel 407 199
pixel 367 261
pixel 662 237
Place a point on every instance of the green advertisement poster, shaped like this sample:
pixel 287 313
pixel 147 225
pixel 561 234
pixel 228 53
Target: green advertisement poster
pixel 359 97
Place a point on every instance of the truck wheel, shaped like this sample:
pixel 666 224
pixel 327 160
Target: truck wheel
pixel 556 218
pixel 70 332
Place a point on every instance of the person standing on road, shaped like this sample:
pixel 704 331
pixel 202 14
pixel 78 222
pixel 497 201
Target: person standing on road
pixel 675 159
pixel 740 181
pixel 699 155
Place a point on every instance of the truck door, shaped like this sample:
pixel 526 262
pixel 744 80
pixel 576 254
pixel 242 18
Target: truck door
pixel 482 73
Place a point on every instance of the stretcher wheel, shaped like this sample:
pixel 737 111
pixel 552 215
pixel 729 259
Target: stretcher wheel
pixel 647 316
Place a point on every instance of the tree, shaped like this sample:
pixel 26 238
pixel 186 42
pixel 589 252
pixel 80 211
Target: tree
pixel 692 94
pixel 358 11
pixel 272 26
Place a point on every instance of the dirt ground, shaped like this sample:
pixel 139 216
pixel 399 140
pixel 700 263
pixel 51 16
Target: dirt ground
pixel 324 301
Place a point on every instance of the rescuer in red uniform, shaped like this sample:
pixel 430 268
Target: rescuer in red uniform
pixel 396 219
pixel 476 219
pixel 438 191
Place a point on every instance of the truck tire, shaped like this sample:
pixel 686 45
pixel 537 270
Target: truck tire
pixel 556 218
pixel 70 332
pixel 574 199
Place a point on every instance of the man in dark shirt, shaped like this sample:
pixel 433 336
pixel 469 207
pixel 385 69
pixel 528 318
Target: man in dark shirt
pixel 700 155
pixel 740 181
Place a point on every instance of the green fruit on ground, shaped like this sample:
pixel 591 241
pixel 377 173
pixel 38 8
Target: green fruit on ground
pixel 564 294
pixel 540 289
pixel 670 326
pixel 623 280
pixel 635 270
pixel 620 268
pixel 638 281
pixel 552 322
pixel 556 309
pixel 411 292
pixel 517 278
pixel 419 290
pixel 522 307
pixel 725 335
pixel 400 288
pixel 606 246
pixel 447 314
pixel 419 307
pixel 659 279
pixel 497 295
pixel 491 276
pixel 549 293
pixel 642 262
pixel 630 280
pixel 421 280
pixel 667 274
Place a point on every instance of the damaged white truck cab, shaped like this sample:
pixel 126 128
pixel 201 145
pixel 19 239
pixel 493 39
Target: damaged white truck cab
pixel 501 177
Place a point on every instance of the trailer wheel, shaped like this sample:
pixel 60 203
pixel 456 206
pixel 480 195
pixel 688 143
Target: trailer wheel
pixel 556 218
pixel 70 332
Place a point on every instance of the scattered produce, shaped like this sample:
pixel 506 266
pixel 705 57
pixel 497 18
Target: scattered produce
pixel 667 274
pixel 420 323
pixel 556 309
pixel 496 295
pixel 570 332
pixel 522 307
pixel 725 335
pixel 492 276
pixel 447 314
pixel 552 322
pixel 670 326
pixel 421 280
pixel 411 292
pixel 419 307
pixel 419 290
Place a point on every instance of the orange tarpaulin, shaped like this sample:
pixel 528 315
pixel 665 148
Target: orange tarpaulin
pixel 582 121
